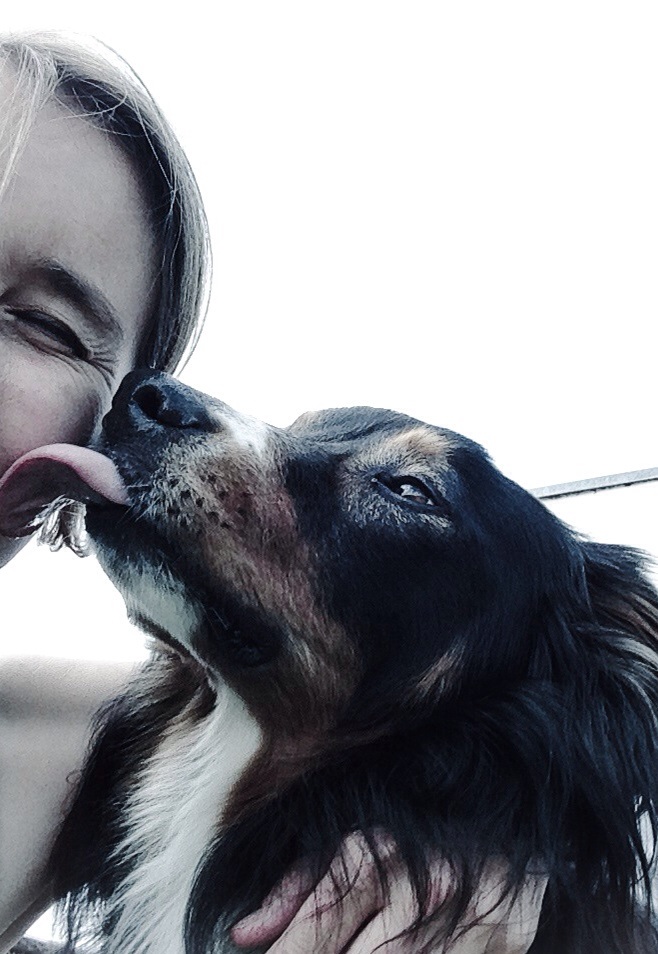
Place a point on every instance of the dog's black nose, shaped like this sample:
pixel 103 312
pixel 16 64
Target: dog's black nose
pixel 147 399
pixel 165 403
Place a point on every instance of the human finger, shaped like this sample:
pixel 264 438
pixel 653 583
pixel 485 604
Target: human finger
pixel 376 916
pixel 515 932
pixel 498 922
pixel 348 895
pixel 493 923
pixel 386 931
pixel 281 905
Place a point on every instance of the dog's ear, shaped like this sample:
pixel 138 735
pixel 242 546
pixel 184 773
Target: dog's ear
pixel 605 751
pixel 623 601
pixel 621 642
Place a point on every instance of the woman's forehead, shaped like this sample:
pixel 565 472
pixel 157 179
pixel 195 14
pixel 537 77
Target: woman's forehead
pixel 72 198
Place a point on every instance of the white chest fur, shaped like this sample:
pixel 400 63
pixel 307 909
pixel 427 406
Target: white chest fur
pixel 173 817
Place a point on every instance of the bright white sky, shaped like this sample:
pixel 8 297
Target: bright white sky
pixel 446 208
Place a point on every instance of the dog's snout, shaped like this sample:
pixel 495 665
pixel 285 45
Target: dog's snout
pixel 150 400
pixel 169 406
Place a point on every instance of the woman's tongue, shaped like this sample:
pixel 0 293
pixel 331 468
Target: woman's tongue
pixel 57 470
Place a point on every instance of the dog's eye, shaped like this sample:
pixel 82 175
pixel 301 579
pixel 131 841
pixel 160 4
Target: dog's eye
pixel 411 490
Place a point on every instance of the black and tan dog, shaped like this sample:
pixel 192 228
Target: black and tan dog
pixel 364 627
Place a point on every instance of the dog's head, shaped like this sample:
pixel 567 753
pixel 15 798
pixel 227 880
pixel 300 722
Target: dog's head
pixel 358 554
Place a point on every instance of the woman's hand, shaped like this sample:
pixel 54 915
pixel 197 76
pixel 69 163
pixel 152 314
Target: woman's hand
pixel 297 918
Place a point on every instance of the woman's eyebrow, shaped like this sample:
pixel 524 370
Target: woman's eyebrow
pixel 80 293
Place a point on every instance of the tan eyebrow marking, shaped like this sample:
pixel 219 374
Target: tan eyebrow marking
pixel 420 446
pixel 419 441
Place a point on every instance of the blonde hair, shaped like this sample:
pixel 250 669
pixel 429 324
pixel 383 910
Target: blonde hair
pixel 98 84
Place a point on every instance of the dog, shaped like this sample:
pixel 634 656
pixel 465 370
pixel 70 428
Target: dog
pixel 362 626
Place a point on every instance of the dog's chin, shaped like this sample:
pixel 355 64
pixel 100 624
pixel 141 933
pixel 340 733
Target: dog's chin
pixel 118 532
pixel 171 600
pixel 136 558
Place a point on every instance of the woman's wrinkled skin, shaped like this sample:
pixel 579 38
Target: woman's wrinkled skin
pixel 76 269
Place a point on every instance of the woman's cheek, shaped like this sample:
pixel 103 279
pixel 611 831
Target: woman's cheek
pixel 47 404
pixel 82 400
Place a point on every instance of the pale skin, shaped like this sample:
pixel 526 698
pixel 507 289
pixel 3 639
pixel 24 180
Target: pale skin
pixel 76 273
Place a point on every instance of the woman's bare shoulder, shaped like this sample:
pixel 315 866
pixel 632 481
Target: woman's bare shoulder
pixel 46 709
pixel 34 687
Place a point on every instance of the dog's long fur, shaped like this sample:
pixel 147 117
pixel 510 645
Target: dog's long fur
pixel 363 626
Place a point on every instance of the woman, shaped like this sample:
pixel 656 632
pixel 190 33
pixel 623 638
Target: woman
pixel 103 263
pixel 103 266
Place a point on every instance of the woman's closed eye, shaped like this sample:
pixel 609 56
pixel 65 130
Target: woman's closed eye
pixel 51 330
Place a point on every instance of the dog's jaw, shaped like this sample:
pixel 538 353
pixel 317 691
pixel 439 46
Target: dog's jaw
pixel 155 600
